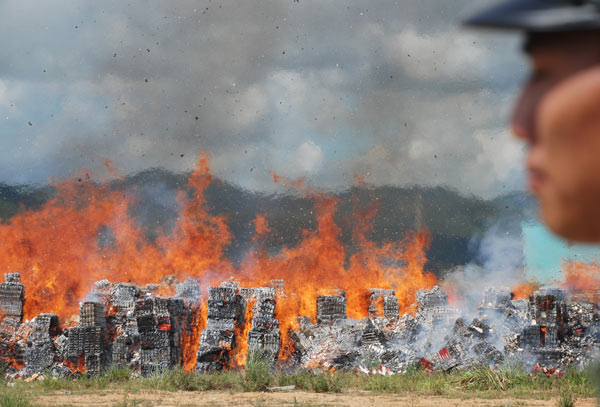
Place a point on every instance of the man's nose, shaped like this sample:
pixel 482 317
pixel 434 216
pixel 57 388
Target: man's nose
pixel 523 118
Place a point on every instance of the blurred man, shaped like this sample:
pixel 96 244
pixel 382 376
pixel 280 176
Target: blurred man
pixel 558 113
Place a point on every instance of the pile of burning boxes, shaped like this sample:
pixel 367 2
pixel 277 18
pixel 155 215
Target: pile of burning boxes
pixel 264 337
pixel 121 324
pixel 226 315
pixel 128 325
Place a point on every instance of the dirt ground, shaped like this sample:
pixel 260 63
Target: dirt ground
pixel 293 398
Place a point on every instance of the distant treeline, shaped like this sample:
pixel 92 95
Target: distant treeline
pixel 454 220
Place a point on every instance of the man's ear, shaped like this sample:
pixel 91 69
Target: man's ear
pixel 573 105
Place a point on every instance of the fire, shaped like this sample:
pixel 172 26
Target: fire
pixel 379 306
pixel 191 338
pixel 85 233
pixel 524 289
pixel 59 254
pixel 581 277
pixel 76 367
pixel 240 351
pixel 318 262
pixel 261 226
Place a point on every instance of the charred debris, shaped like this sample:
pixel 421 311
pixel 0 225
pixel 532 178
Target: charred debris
pixel 128 325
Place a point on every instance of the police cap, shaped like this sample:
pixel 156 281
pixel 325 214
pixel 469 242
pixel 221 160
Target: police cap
pixel 540 15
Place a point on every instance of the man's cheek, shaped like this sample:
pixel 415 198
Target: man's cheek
pixel 569 114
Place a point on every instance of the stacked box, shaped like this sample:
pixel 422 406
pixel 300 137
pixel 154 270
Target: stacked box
pixel 535 337
pixel 46 324
pixel 88 340
pixel 123 297
pixel 431 298
pixel 371 334
pixel 13 278
pixel 487 353
pixel 189 291
pixel 85 340
pixel 407 328
pixel 434 316
pixel 389 303
pixel 549 306
pixel 40 353
pixel 12 297
pixel 496 298
pixel 121 300
pixel 122 350
pixel 92 314
pixel 8 329
pixel 278 286
pixel 155 360
pixel 391 307
pixel 433 309
pixel 331 308
pixel 264 336
pixel 548 310
pixel 149 314
pixel 225 314
pixel 100 292
pixel 159 323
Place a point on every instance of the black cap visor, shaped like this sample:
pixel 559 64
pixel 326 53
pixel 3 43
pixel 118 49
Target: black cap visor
pixel 538 16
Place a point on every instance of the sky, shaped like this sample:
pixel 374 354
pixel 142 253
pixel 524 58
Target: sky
pixel 545 254
pixel 394 91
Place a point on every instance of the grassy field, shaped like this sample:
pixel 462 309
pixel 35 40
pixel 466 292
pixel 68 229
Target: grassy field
pixel 480 383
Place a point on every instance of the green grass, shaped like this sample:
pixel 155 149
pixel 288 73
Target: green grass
pixel 566 399
pixel 259 376
pixel 12 398
pixel 257 373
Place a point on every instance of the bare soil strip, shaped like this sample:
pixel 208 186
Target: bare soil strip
pixel 294 398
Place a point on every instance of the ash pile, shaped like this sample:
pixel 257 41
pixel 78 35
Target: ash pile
pixel 120 324
pixel 545 331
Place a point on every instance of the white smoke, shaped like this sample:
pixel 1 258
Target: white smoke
pixel 498 263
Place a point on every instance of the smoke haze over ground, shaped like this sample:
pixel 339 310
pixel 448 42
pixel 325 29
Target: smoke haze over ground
pixel 395 91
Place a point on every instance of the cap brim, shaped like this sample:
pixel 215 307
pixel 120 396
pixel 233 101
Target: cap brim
pixel 538 15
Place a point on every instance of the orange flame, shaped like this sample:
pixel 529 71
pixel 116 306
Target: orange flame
pixel 240 351
pixel 190 338
pixel 76 367
pixel 261 226
pixel 524 289
pixel 318 263
pixel 59 254
pixel 580 276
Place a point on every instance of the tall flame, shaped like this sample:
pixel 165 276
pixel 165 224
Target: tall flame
pixel 59 254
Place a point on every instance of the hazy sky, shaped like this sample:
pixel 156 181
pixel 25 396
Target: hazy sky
pixel 394 91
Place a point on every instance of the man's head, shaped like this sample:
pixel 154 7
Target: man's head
pixel 558 116
pixel 558 112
